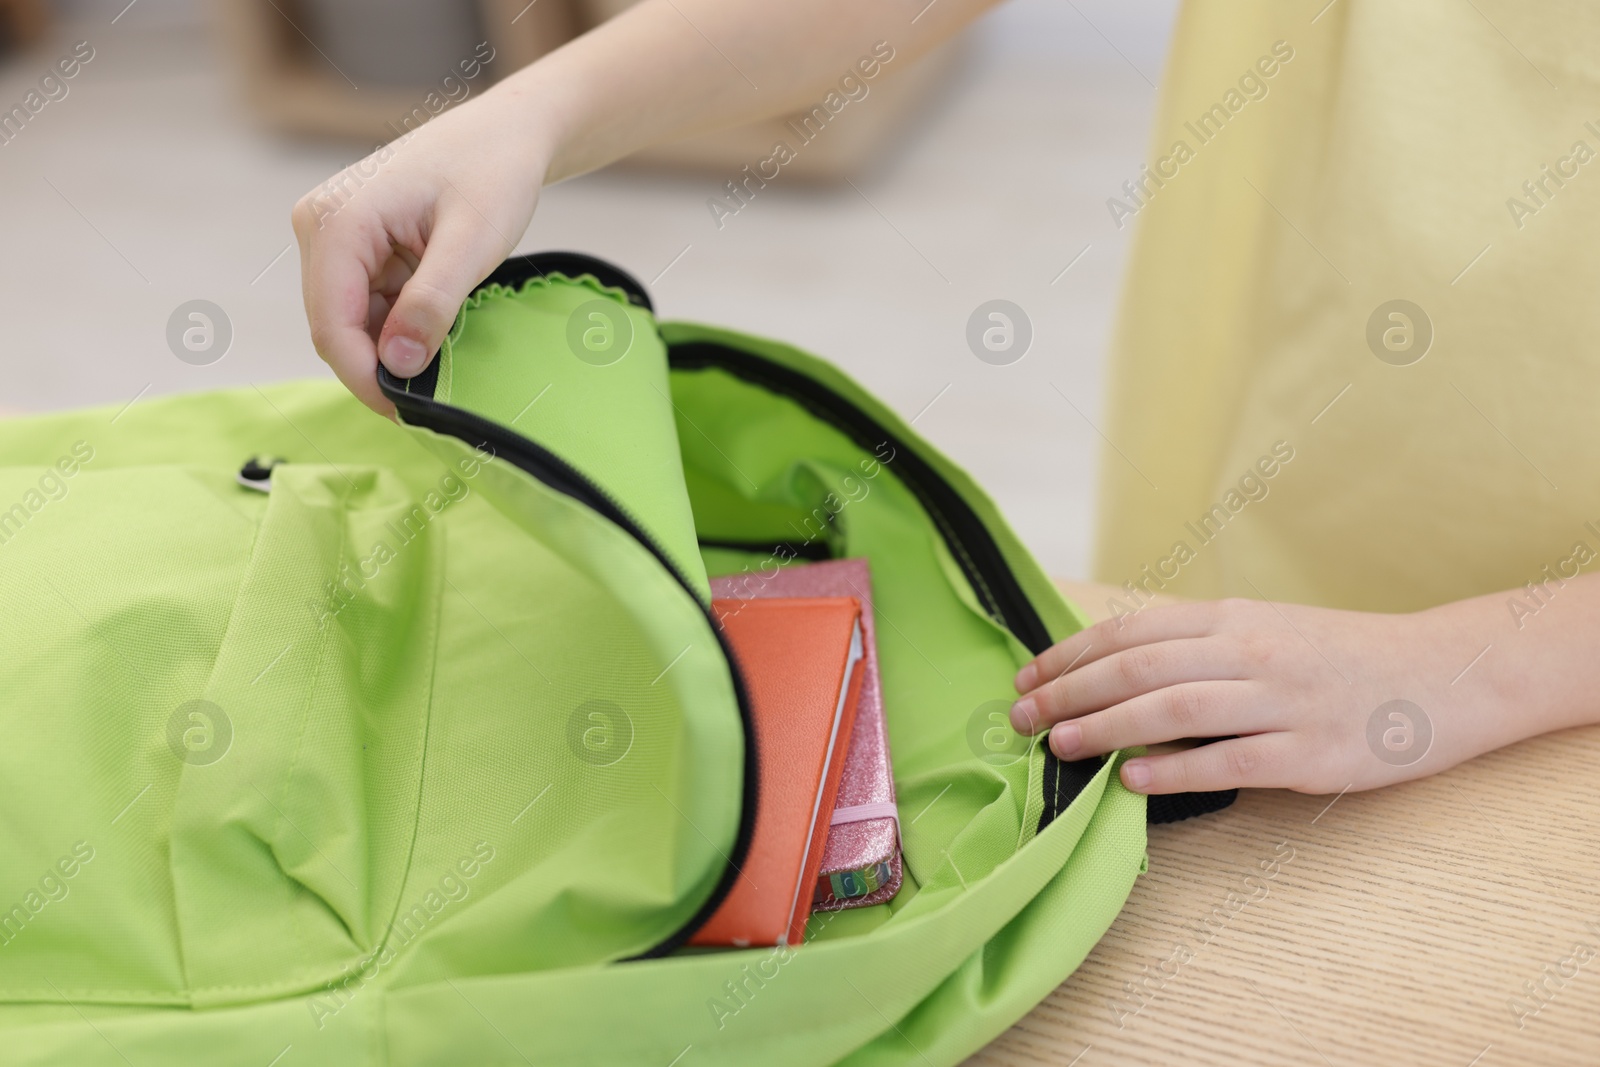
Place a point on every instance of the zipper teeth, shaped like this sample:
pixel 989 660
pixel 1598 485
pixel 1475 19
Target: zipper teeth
pixel 1007 604
pixel 1008 607
pixel 545 466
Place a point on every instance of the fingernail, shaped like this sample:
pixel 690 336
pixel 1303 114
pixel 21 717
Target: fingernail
pixel 1025 678
pixel 1066 738
pixel 1135 775
pixel 403 356
pixel 1023 715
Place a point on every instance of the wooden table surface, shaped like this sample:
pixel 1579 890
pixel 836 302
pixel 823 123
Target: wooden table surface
pixel 1451 921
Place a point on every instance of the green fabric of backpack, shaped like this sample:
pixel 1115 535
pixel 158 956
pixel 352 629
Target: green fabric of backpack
pixel 420 747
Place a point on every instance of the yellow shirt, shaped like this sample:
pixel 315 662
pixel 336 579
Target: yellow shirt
pixel 1281 427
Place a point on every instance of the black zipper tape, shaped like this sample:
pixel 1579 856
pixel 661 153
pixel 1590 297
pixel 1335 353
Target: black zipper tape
pixel 970 542
pixel 513 272
pixel 972 545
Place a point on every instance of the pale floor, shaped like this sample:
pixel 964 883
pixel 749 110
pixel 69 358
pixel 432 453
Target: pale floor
pixel 147 186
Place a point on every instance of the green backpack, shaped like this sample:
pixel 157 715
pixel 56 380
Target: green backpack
pixel 331 741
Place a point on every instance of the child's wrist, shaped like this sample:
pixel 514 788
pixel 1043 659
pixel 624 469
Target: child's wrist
pixel 1518 683
pixel 540 107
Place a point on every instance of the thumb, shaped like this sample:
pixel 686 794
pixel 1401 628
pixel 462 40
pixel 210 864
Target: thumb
pixel 460 253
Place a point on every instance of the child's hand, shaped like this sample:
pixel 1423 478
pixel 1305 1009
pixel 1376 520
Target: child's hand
pixel 390 249
pixel 391 246
pixel 1298 685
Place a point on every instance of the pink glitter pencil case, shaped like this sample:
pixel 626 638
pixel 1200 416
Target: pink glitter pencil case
pixel 861 864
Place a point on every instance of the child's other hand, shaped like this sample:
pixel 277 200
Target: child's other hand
pixel 1298 686
pixel 391 246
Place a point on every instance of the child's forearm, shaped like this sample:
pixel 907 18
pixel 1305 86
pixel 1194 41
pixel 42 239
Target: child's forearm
pixel 670 67
pixel 1540 655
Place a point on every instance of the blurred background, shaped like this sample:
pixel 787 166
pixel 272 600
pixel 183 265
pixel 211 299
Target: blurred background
pixel 163 171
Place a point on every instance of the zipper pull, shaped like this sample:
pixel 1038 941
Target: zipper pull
pixel 257 472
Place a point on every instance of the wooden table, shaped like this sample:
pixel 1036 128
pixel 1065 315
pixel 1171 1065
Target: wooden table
pixel 1406 925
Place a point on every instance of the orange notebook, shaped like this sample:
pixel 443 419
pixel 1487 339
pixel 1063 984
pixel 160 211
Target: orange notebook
pixel 800 658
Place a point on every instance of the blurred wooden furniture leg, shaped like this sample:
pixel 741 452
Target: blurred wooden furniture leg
pixel 21 23
pixel 292 86
pixel 523 30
